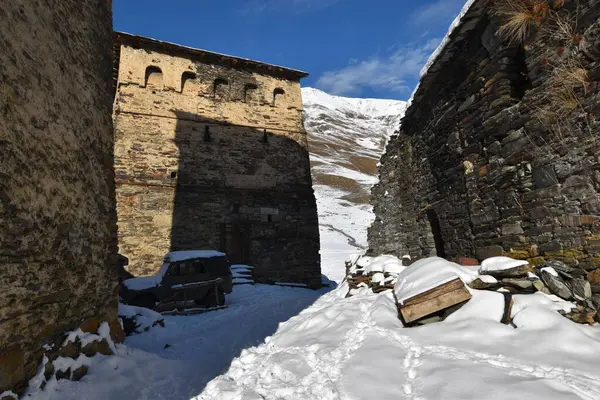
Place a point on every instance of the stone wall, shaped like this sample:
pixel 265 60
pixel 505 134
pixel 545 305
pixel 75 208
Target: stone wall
pixel 57 200
pixel 210 155
pixel 489 159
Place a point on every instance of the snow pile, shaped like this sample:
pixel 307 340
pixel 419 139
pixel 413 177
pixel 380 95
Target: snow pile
pixel 357 348
pixel 138 319
pixel 500 264
pixel 375 273
pixel 429 273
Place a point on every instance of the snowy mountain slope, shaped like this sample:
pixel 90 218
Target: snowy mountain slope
pixel 346 138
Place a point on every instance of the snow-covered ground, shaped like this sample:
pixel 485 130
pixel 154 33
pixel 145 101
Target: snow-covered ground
pixel 357 348
pixel 177 361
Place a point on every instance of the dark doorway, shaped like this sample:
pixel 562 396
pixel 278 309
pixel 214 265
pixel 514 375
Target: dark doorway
pixel 434 222
pixel 238 247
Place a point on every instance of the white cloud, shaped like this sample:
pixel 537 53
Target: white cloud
pixel 442 11
pixel 296 6
pixel 389 72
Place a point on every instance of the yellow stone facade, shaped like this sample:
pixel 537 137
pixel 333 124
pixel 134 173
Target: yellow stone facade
pixel 211 152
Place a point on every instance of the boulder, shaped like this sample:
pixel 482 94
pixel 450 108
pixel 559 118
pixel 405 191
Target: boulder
pixel 486 284
pixel 79 373
pixel 515 272
pixel 522 284
pixel 556 284
pixel 581 289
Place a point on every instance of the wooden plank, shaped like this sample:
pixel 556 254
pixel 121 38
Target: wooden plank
pixel 442 301
pixel 186 286
pixel 435 292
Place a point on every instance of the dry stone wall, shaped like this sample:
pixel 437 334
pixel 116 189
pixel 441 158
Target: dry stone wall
pixel 57 201
pixel 481 165
pixel 210 155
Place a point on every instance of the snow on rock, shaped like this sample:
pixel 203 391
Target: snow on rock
pixel 500 264
pixel 428 273
pixel 483 305
pixel 385 263
pixel 86 338
pixel 9 394
pixel 175 256
pixel 141 318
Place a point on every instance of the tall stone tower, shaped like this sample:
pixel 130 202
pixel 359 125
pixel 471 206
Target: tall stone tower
pixel 57 197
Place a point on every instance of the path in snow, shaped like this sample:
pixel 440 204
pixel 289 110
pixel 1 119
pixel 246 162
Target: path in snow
pixel 198 348
pixel 351 241
pixel 356 348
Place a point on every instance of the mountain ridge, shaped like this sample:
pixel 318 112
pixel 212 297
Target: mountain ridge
pixel 346 139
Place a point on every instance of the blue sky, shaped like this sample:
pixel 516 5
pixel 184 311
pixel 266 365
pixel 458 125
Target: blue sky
pixel 357 48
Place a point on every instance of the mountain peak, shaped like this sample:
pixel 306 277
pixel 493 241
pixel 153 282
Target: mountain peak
pixel 367 107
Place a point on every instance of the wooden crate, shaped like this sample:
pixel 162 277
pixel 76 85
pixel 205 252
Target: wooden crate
pixel 439 298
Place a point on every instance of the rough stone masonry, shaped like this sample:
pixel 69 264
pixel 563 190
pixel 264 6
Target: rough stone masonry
pixel 211 153
pixel 498 153
pixel 58 241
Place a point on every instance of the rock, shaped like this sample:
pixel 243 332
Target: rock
pixel 581 289
pixel 558 266
pixel 595 289
pixel 582 316
pixel 556 285
pixel 595 300
pixel 95 347
pixel 79 373
pixel 540 287
pixel 523 284
pixel 482 285
pixel 489 251
pixel 60 374
pixel 515 272
pixel 594 277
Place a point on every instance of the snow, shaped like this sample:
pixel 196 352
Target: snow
pixel 291 343
pixel 240 281
pixel 146 282
pixel 487 279
pixel 241 266
pixel 144 317
pixel 370 107
pixel 200 348
pixel 550 270
pixel 86 338
pixel 175 256
pixel 385 263
pixel 346 138
pixel 428 273
pixel 501 263
pixel 356 348
pixel 9 394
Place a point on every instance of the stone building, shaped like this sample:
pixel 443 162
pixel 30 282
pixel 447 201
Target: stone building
pixel 58 232
pixel 211 153
pixel 498 152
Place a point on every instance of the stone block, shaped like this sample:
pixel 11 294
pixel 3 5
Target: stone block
pixel 489 251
